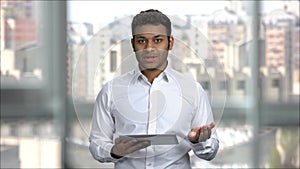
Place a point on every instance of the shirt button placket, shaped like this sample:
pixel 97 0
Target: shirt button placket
pixel 151 130
pixel 152 111
pixel 150 158
pixel 149 164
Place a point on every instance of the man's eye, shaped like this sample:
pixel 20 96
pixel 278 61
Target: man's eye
pixel 141 41
pixel 157 40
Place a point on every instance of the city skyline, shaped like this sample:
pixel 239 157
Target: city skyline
pixel 226 30
pixel 92 11
pixel 46 112
pixel 228 33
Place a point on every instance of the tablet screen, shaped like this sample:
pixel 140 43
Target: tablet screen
pixel 156 139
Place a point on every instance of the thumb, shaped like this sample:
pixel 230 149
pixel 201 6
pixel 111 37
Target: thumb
pixel 192 135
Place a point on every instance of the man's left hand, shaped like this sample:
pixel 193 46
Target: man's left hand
pixel 201 133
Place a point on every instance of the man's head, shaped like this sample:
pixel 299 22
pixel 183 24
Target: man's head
pixel 152 17
pixel 151 39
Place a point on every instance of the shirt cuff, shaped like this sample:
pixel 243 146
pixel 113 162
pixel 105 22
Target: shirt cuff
pixel 112 159
pixel 198 146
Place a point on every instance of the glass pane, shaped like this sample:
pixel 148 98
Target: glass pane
pixel 31 119
pixel 279 67
pixel 218 45
pixel 21 65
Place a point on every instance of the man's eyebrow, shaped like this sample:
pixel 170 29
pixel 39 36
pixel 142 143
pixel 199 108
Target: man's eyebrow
pixel 157 36
pixel 141 36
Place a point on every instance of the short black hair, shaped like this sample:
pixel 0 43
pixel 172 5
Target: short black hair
pixel 151 16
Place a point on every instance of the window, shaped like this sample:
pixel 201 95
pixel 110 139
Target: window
pixel 275 83
pixel 33 91
pixel 40 115
pixel 205 85
pixel 222 85
pixel 241 85
pixel 113 61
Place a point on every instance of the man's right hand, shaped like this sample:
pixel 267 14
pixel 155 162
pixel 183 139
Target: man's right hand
pixel 122 148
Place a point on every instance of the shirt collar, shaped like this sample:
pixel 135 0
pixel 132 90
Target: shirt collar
pixel 137 74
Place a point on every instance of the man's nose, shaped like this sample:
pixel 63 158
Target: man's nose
pixel 149 45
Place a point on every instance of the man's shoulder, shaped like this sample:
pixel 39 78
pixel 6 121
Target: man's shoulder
pixel 124 77
pixel 117 82
pixel 121 79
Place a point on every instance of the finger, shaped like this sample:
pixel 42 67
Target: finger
pixel 130 142
pixel 193 136
pixel 122 148
pixel 212 125
pixel 201 136
pixel 209 133
pixel 139 145
pixel 206 133
pixel 117 140
pixel 197 129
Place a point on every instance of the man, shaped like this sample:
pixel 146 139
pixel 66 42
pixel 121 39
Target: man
pixel 152 99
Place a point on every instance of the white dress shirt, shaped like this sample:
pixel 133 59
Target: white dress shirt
pixel 172 104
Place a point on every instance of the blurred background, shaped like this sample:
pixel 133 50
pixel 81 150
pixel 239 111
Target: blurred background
pixel 56 56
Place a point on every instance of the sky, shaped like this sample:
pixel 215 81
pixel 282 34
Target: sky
pixel 91 10
pixel 100 13
pixel 103 12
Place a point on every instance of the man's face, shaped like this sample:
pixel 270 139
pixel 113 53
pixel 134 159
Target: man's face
pixel 151 46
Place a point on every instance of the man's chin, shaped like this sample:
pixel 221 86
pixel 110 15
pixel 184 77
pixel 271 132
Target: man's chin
pixel 150 67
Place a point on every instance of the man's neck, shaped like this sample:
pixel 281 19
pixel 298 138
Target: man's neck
pixel 151 74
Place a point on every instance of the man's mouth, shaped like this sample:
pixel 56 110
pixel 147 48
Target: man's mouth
pixel 149 58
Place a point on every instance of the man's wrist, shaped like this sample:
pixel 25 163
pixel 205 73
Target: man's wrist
pixel 194 142
pixel 115 156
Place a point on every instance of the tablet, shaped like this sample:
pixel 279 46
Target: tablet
pixel 155 139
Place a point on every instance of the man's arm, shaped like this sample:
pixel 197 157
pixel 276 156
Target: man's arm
pixel 204 143
pixel 102 129
pixel 203 136
pixel 101 136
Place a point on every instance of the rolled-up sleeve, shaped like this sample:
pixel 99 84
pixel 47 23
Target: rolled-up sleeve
pixel 102 128
pixel 208 149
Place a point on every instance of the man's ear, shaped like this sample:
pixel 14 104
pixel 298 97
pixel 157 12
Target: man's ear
pixel 171 42
pixel 132 44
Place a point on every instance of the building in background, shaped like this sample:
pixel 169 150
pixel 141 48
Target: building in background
pixel 78 36
pixel 281 55
pixel 225 30
pixel 214 49
pixel 19 40
pixel 94 58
